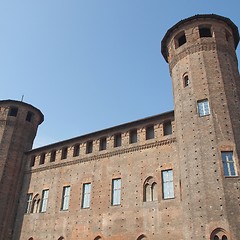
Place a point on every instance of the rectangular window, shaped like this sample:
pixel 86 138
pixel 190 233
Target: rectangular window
pixel 116 191
pixel 13 111
pixel 86 195
pixel 133 136
pixel 29 116
pixel 149 132
pixel 167 128
pixel 228 164
pixel 203 108
pixel 44 200
pixel 205 32
pixel 118 140
pixel 65 198
pixel 103 144
pixel 42 158
pixel 32 162
pixel 64 153
pixel 29 203
pixel 53 156
pixel 89 147
pixel 76 150
pixel 167 181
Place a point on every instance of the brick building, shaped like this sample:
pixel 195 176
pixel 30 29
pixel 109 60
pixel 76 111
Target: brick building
pixel 170 176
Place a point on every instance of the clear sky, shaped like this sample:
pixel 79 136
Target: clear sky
pixel 92 64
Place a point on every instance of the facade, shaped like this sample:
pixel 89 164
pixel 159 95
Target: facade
pixel 170 176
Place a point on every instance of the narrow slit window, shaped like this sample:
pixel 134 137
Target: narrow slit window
pixel 186 81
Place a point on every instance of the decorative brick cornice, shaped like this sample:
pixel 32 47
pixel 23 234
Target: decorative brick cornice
pixel 207 46
pixel 104 155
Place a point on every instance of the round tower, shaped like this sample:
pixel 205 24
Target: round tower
pixel 200 51
pixel 18 127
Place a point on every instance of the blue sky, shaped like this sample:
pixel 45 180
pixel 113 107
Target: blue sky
pixel 92 64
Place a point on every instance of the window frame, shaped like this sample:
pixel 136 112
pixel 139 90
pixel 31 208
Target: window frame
pixel 229 167
pixel 116 191
pixel 167 184
pixel 203 108
pixel 66 193
pixel 44 201
pixel 86 195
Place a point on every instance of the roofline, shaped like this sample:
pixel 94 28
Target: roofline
pixel 9 101
pixel 199 16
pixel 101 132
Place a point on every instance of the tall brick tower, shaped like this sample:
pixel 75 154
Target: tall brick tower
pixel 202 60
pixel 18 126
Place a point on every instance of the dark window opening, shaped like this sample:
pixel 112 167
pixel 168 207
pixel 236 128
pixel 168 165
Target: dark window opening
pixel 29 116
pixel 64 153
pixel 53 156
pixel 118 140
pixel 167 128
pixel 149 132
pixel 181 40
pixel 13 111
pixel 186 81
pixel 205 32
pixel 103 144
pixel 89 147
pixel 42 158
pixel 32 163
pixel 76 150
pixel 133 136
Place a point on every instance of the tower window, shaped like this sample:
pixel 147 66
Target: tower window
pixel 167 128
pixel 133 136
pixel 116 191
pixel 180 39
pixel 103 144
pixel 150 132
pixel 86 195
pixel 118 140
pixel 186 81
pixel 53 156
pixel 64 153
pixel 205 32
pixel 228 164
pixel 13 111
pixel 203 108
pixel 167 181
pixel 89 147
pixel 65 198
pixel 29 116
pixel 76 150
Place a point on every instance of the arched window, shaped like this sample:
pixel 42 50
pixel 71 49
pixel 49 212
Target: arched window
pixel 61 238
pixel 142 237
pixel 186 80
pixel 97 238
pixel 35 204
pixel 224 237
pixel 150 190
pixel 30 238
